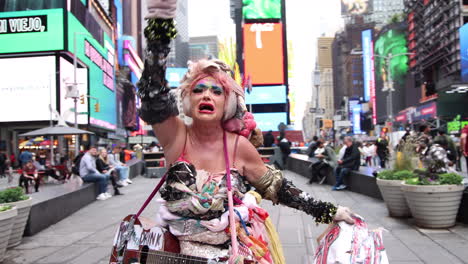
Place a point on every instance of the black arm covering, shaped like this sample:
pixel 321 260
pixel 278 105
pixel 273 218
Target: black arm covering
pixel 157 103
pixel 291 196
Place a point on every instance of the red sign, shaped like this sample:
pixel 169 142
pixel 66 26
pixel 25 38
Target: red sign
pixel 263 53
pixel 401 117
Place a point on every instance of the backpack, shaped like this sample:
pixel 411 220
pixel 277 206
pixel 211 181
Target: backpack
pixel 76 164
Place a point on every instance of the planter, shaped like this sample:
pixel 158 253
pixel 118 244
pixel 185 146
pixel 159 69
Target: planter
pixel 394 197
pixel 6 223
pixel 20 221
pixel 433 206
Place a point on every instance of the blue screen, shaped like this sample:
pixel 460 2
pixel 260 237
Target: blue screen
pixel 175 75
pixel 464 52
pixel 269 121
pixel 266 95
pixel 367 60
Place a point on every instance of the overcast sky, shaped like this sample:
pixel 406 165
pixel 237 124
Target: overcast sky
pixel 306 21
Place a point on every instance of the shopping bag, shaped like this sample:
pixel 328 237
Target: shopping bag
pixel 350 244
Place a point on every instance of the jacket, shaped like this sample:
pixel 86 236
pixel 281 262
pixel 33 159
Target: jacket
pixel 88 165
pixel 351 158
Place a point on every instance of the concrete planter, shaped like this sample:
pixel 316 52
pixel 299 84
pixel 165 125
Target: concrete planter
pixel 433 206
pixel 6 223
pixel 20 221
pixel 394 197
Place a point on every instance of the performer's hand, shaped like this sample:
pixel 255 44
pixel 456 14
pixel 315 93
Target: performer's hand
pixel 165 9
pixel 344 214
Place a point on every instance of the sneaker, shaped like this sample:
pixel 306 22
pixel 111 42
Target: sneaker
pixel 122 182
pixel 102 197
pixel 341 187
pixel 334 188
pixel 108 194
pixel 128 181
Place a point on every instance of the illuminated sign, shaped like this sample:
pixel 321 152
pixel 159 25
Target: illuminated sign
pixel 266 95
pixel 175 75
pixel 23 24
pixel 369 72
pixel 464 52
pixel 354 7
pixel 269 121
pixel 263 53
pixel 261 9
pixel 102 63
pixel 357 119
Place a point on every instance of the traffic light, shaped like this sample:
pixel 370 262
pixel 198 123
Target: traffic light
pixel 96 107
pixel 82 99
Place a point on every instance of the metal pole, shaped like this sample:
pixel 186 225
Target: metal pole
pixel 390 89
pixel 75 100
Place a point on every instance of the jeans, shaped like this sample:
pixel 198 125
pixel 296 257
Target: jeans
pixel 123 172
pixel 340 173
pixel 101 179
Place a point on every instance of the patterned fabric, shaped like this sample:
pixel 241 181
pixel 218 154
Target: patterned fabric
pixel 435 159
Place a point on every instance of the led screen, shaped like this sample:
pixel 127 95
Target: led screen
pixel 464 52
pixel 369 72
pixel 101 73
pixel 27 87
pixel 269 121
pixel 30 31
pixel 266 95
pixel 354 7
pixel 356 119
pixel 175 75
pixel 263 53
pixel 261 9
pixel 67 104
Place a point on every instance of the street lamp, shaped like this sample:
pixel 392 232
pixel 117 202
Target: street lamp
pixel 317 85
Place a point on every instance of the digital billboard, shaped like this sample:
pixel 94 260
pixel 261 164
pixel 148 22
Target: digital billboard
pixel 369 71
pixel 175 75
pixel 27 87
pixel 263 53
pixel 266 95
pixel 261 9
pixel 101 73
pixel 356 120
pixel 354 7
pixel 269 121
pixel 464 52
pixel 67 104
pixel 30 31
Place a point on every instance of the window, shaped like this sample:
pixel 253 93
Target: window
pixel 22 5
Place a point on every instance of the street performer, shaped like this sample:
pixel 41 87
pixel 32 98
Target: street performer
pixel 196 193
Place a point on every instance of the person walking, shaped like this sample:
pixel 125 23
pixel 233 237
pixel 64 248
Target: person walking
pixel 350 161
pixel 382 149
pixel 89 173
pixel 24 157
pixel 464 144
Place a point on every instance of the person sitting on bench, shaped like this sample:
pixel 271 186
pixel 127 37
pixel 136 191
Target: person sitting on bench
pixel 29 173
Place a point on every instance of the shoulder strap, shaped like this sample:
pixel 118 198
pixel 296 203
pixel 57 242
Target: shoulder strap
pixel 234 155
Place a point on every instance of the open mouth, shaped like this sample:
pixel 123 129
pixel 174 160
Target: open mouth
pixel 206 108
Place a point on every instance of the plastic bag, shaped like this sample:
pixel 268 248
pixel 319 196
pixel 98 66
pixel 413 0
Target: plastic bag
pixel 349 244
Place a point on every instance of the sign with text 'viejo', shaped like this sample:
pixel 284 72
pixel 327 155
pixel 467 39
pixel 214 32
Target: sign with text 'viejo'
pixel 102 63
pixel 23 24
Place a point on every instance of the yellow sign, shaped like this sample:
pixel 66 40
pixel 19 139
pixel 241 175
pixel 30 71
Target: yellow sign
pixel 327 123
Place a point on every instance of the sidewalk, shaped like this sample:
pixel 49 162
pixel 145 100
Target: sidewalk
pixel 86 236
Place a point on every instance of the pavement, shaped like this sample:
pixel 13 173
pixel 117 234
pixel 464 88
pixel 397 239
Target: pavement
pixel 86 236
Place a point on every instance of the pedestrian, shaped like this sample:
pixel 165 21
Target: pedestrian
pixel 120 167
pixel 382 149
pixel 24 157
pixel 268 139
pixel 89 173
pixel 153 147
pixel 3 164
pixel 369 152
pixel 464 144
pixel 285 147
pixel 350 161
pixel 447 143
pixel 29 174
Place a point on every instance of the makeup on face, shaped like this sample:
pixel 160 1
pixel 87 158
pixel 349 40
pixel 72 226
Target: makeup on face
pixel 208 83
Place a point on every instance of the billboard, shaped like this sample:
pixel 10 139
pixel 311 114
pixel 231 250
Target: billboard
pixel 266 95
pixel 270 121
pixel 175 75
pixel 31 31
pixel 354 7
pixel 263 53
pixel 27 87
pixel 67 104
pixel 99 61
pixel 261 9
pixel 464 52
pixel 369 72
pixel 356 120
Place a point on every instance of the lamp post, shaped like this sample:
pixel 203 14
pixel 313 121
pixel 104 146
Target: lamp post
pixel 317 86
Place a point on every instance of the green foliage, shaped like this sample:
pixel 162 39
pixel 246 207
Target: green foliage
pixel 412 181
pixel 11 195
pixel 5 208
pixel 450 178
pixel 403 175
pixel 386 175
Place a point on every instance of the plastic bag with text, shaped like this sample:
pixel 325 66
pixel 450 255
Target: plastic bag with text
pixel 349 244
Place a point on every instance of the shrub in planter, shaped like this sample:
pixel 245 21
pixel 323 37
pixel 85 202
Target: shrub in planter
pixel 434 198
pixel 389 183
pixel 7 215
pixel 16 197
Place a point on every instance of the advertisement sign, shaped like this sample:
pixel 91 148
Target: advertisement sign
pixel 261 9
pixel 425 111
pixel 30 31
pixel 354 7
pixel 356 120
pixel 263 53
pixel 269 121
pixel 27 87
pixel 175 75
pixel 369 72
pixel 464 52
pixel 100 71
pixel 266 95
pixel 67 104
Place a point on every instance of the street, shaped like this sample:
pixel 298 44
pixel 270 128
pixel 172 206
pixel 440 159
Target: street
pixel 86 236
